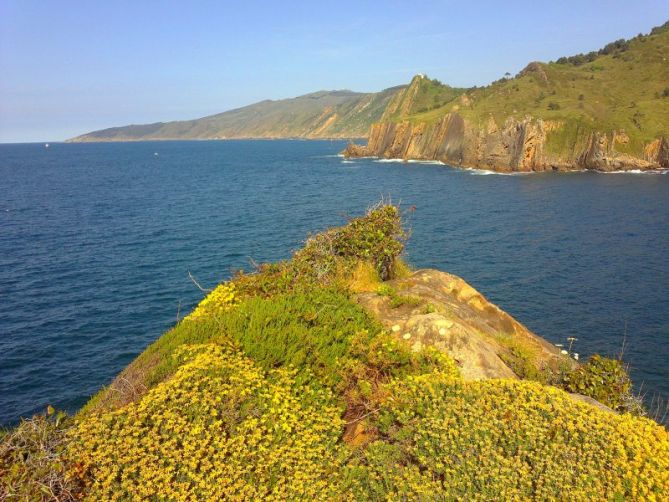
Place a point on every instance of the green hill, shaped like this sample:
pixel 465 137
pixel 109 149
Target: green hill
pixel 607 109
pixel 324 114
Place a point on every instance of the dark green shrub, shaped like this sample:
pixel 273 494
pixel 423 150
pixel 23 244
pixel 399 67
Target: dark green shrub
pixel 603 379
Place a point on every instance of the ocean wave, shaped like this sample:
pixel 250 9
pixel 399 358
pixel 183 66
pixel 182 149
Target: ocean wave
pixel 433 162
pixel 348 162
pixel 487 172
pixel 635 171
pixel 389 160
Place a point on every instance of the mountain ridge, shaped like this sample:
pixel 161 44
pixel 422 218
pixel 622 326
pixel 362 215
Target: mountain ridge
pixel 322 114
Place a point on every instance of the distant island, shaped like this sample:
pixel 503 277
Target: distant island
pixel 606 110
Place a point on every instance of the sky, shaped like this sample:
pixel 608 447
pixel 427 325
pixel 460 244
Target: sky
pixel 69 67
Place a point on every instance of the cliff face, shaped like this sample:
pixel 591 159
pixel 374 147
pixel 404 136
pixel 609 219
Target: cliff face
pixel 516 145
pixel 606 110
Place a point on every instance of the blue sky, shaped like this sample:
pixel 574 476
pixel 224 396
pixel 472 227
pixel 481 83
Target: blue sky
pixel 70 67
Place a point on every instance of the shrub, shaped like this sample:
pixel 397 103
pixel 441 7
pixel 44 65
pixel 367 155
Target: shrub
pixel 32 459
pixel 329 258
pixel 603 379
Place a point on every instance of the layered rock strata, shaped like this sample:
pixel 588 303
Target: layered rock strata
pixel 516 145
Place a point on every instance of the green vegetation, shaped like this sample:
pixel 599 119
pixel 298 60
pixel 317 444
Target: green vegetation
pixel 524 360
pixel 278 386
pixel 505 440
pixel 619 88
pixel 605 380
pixel 396 299
pixel 422 95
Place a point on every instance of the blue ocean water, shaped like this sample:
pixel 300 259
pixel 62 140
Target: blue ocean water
pixel 96 242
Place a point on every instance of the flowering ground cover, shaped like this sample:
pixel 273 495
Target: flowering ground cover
pixel 279 386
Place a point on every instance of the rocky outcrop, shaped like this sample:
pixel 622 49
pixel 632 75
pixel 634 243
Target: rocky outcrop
pixel 601 154
pixel 444 312
pixel 515 145
pixel 658 152
pixel 454 317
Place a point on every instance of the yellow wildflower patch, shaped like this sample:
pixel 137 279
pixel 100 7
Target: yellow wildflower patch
pixel 509 440
pixel 218 301
pixel 220 428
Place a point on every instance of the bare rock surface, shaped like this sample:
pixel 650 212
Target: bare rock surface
pixel 455 318
pixel 588 400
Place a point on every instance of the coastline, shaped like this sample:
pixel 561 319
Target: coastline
pixel 480 171
pixel 355 151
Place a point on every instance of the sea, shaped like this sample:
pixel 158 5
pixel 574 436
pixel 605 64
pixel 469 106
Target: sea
pixel 98 243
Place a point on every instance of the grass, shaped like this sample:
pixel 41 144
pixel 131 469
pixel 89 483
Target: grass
pixel 522 359
pixel 364 278
pixel 398 300
pixel 31 459
pixel 422 96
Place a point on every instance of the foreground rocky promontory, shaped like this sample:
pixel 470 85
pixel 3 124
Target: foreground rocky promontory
pixel 341 374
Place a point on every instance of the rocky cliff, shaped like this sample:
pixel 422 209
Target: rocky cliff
pixel 605 110
pixel 515 145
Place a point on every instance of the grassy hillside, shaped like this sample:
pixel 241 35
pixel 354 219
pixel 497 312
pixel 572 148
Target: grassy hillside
pixel 280 386
pixel 623 87
pixel 322 114
pixel 422 95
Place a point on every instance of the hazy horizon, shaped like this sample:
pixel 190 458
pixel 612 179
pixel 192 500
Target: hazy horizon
pixel 73 69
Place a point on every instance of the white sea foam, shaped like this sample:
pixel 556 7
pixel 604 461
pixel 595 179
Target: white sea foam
pixel 635 171
pixel 433 162
pixel 347 162
pixel 488 172
pixel 389 160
